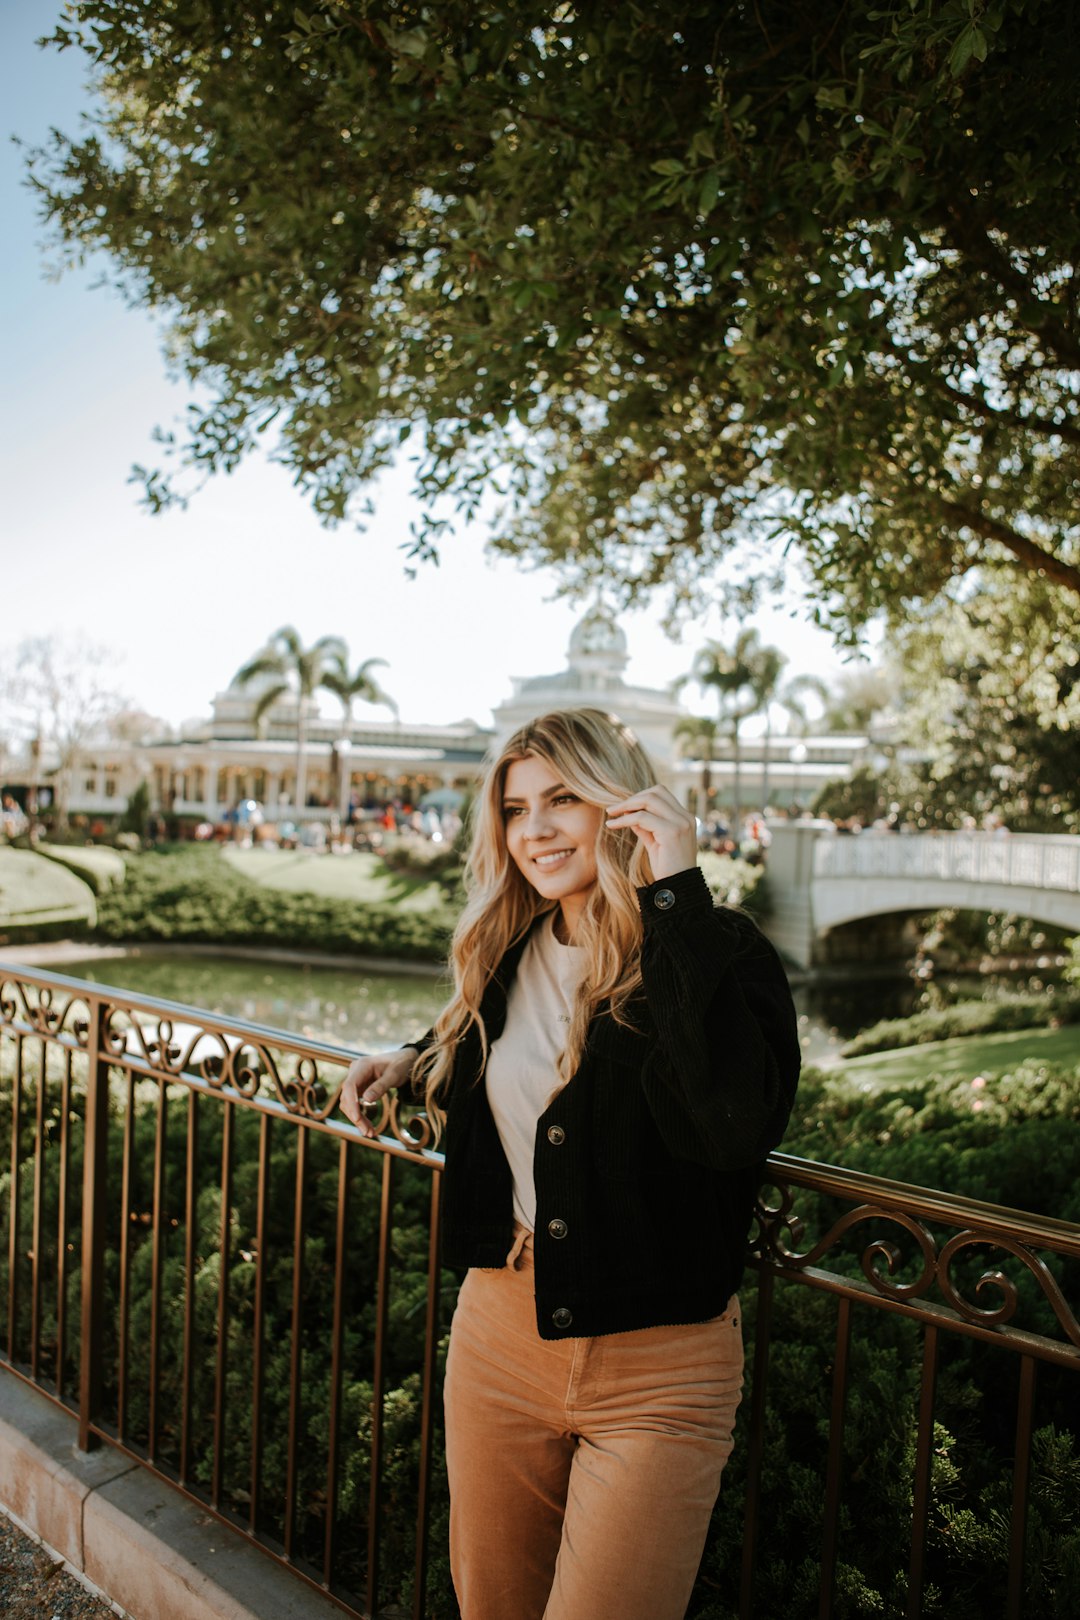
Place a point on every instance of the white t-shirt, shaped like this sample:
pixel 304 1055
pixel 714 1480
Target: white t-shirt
pixel 522 1070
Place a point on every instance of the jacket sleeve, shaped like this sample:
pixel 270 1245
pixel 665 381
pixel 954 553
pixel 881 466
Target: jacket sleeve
pixel 723 1063
pixel 411 1092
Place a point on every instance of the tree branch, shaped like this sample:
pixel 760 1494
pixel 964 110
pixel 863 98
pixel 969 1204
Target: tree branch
pixel 1027 552
pixel 970 237
pixel 1036 424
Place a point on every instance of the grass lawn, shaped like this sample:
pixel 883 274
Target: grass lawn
pixel 965 1055
pixel 100 867
pixel 35 891
pixel 357 876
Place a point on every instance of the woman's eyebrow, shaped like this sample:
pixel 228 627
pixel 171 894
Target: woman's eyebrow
pixel 548 793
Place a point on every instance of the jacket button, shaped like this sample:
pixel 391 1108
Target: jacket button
pixel 557 1228
pixel 663 899
pixel 562 1318
pixel 556 1135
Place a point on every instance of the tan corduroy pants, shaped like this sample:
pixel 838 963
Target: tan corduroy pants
pixel 583 1472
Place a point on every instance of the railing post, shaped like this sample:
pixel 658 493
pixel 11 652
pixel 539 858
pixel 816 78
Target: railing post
pixel 95 1164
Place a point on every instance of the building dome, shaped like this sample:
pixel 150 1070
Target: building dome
pixel 596 658
pixel 598 644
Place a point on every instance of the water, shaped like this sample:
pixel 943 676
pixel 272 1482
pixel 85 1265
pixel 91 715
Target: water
pixel 370 1012
pixel 375 1011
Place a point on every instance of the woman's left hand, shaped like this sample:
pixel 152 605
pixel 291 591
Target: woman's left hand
pixel 667 832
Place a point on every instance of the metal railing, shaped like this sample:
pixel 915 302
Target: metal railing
pixel 261 1305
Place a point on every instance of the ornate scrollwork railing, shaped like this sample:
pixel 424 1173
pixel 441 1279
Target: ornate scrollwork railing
pixel 931 1234
pixel 71 1059
pixel 188 1046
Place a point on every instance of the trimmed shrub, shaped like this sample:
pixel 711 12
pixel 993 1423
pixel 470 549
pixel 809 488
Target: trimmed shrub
pixel 733 881
pixel 1004 1012
pixel 99 868
pixel 190 894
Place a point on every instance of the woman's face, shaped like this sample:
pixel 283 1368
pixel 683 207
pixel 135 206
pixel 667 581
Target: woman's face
pixel 550 833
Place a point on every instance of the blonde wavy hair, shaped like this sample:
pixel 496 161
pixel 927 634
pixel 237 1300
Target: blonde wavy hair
pixel 598 758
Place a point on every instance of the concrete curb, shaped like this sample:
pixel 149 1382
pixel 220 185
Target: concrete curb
pixel 132 1538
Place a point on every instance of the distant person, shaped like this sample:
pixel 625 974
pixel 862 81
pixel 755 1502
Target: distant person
pixel 618 1058
pixel 13 822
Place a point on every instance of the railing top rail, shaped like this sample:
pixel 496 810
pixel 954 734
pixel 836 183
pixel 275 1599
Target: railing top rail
pixel 850 1185
pixel 176 1012
pixel 226 1057
pixel 927 1203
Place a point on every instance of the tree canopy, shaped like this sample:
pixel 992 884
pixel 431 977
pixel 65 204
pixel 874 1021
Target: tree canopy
pixel 689 283
pixel 991 711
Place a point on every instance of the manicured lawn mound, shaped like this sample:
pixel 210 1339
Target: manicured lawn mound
pixel 195 894
pixel 1049 1007
pixel 359 876
pixel 37 893
pixel 100 868
pixel 965 1056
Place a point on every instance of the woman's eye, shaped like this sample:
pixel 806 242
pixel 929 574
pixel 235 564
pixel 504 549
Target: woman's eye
pixel 511 810
pixel 566 798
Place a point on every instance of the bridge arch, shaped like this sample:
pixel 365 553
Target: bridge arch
pixel 819 880
pixel 835 901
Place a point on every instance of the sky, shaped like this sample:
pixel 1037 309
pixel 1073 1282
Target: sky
pixel 182 599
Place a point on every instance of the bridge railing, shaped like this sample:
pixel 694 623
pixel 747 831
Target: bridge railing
pixel 1041 861
pixel 226 1282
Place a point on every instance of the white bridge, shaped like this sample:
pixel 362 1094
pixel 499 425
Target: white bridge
pixel 819 879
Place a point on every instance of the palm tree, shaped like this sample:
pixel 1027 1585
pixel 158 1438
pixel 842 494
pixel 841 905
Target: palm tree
pixel 360 684
pixel 292 667
pixel 792 699
pixel 744 678
pixel 699 736
pixel 768 663
pixel 347 687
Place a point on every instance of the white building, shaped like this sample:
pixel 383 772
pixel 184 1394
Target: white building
pixel 593 678
pixel 211 764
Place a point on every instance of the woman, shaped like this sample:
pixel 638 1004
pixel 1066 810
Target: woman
pixel 617 1059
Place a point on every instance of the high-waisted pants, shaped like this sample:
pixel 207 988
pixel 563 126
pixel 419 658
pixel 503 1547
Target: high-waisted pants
pixel 583 1472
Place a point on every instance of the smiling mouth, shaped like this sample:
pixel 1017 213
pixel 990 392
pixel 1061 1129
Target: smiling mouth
pixel 553 858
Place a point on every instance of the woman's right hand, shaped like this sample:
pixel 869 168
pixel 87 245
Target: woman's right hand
pixel 368 1081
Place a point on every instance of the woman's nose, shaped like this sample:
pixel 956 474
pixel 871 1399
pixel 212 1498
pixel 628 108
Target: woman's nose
pixel 537 821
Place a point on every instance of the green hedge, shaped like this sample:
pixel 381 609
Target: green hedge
pixel 1004 1012
pixel 191 894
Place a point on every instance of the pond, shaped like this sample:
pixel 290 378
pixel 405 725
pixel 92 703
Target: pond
pixel 376 1011
pixel 369 1011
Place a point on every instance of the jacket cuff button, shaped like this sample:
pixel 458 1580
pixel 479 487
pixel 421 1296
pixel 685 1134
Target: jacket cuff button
pixel 562 1318
pixel 663 899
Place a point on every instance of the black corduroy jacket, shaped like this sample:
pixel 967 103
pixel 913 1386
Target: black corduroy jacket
pixel 648 1160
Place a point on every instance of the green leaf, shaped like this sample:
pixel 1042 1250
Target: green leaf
pixel 708 192
pixel 961 53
